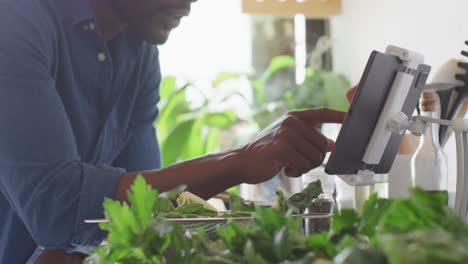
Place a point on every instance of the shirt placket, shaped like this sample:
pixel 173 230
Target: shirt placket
pixel 107 137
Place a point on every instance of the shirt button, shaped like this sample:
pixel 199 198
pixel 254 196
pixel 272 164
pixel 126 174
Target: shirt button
pixel 101 57
pixel 92 26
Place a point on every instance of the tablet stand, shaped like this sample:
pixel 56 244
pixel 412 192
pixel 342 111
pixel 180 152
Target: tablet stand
pixel 394 103
pixel 396 122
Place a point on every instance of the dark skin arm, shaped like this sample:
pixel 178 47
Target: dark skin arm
pixel 205 176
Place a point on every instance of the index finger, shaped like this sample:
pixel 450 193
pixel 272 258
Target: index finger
pixel 321 116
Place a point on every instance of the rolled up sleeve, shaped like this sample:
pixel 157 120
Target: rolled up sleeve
pixel 98 182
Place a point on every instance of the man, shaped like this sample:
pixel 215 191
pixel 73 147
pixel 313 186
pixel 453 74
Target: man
pixel 78 93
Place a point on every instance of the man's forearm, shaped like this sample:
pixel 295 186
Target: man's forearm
pixel 292 144
pixel 205 176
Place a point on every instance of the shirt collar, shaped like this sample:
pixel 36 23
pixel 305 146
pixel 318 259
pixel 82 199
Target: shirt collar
pixel 77 12
pixel 81 11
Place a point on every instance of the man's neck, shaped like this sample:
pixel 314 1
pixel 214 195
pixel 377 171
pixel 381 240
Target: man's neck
pixel 107 20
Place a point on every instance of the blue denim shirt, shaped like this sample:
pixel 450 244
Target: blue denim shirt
pixel 75 113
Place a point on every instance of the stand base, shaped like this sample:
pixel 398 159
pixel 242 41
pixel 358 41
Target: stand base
pixel 364 178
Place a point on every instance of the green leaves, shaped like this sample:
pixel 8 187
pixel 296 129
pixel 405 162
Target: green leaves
pixel 143 200
pixel 321 245
pixel 126 222
pixel 196 136
pixel 174 145
pixel 123 224
pixel 420 229
pixel 277 64
pixel 137 233
pixel 240 205
pixel 373 211
pixel 175 104
pixel 422 211
pixel 273 238
pixel 251 255
pixel 222 119
pixel 426 246
pixel 223 77
pixel 346 221
pixel 281 204
pixel 304 199
pixel 282 246
pixel 186 131
pixel 361 253
pixel 335 87
pixel 128 240
pixel 319 89
pixel 416 230
pixel 167 87
pixel 195 209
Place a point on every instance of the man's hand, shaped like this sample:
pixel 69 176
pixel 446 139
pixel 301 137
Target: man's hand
pixel 292 143
pixel 58 256
pixel 350 93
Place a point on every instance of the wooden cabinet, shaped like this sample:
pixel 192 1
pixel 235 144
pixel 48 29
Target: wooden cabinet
pixel 310 8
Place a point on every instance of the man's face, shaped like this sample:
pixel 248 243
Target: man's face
pixel 152 20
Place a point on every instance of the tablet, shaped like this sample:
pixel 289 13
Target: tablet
pixel 366 107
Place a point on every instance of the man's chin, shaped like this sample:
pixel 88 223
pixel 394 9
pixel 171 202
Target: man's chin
pixel 156 37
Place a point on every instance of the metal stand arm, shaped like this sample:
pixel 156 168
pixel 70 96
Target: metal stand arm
pixel 460 172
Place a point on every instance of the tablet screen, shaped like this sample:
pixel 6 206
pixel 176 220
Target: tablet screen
pixel 368 102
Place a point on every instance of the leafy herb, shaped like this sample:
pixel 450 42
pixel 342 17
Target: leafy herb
pixel 344 223
pixel 305 199
pixel 420 229
pixel 362 253
pixel 129 237
pixel 400 229
pixel 190 198
pixel 272 238
pixel 282 205
pixel 240 205
pixel 321 245
pixel 426 246
pixel 195 209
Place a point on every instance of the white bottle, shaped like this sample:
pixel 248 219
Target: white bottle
pixel 399 177
pixel 429 167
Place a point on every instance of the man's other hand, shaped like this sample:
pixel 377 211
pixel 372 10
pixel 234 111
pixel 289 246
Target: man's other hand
pixel 292 143
pixel 58 256
pixel 350 93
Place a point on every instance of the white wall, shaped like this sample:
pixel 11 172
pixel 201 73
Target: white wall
pixel 214 38
pixel 436 28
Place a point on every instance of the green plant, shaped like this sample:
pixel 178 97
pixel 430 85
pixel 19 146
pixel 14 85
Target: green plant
pixel 319 89
pixel 186 131
pixel 420 229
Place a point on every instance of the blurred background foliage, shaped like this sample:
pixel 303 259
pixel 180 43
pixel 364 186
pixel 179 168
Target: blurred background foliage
pixel 226 116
